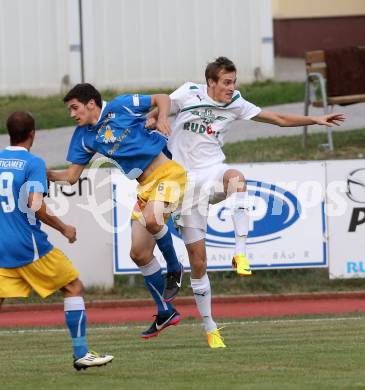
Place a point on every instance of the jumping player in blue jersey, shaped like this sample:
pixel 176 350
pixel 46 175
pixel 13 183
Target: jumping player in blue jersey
pixel 116 129
pixel 28 261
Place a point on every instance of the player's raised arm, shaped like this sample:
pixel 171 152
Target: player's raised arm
pixel 69 175
pixel 162 102
pixel 37 204
pixel 289 120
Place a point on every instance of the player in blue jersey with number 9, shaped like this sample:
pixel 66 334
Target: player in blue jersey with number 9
pixel 116 129
pixel 28 261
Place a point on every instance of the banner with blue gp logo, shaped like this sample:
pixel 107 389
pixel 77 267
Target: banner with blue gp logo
pixel 288 223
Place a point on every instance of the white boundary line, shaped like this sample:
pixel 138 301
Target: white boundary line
pixel 94 327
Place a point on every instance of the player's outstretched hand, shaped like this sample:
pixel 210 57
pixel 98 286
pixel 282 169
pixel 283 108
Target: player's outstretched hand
pixel 151 123
pixel 70 233
pixel 163 125
pixel 330 119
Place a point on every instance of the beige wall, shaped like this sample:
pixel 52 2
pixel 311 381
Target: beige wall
pixel 287 9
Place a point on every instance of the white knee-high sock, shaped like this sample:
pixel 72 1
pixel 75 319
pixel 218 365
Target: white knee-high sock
pixel 203 295
pixel 240 220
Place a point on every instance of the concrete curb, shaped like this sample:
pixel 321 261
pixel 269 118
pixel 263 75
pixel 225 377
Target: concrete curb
pixel 184 301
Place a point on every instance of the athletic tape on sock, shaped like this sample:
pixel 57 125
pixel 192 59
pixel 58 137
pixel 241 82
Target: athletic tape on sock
pixel 201 285
pixel 151 268
pixel 202 295
pixel 74 303
pixel 240 213
pixel 161 233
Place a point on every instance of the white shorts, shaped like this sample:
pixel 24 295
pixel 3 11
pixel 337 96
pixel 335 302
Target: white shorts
pixel 205 187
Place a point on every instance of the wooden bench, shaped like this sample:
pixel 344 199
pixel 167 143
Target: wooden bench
pixel 316 91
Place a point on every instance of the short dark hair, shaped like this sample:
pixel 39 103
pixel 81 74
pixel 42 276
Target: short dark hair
pixel 20 124
pixel 213 68
pixel 84 93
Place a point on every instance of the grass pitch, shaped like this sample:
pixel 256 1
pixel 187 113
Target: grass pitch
pixel 308 353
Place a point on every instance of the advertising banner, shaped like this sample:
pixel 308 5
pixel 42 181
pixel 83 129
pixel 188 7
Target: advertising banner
pixel 288 224
pixel 346 218
pixel 87 206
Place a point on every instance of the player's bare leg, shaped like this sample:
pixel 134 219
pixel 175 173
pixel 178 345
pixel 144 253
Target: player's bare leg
pixel 142 246
pixel 73 289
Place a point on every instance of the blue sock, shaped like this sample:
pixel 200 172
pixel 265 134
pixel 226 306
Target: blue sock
pixel 75 316
pixel 155 285
pixel 165 245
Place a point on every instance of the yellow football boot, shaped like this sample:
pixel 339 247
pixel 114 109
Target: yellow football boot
pixel 241 265
pixel 215 340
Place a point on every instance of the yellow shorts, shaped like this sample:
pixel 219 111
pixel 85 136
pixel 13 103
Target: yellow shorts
pixel 167 184
pixel 46 275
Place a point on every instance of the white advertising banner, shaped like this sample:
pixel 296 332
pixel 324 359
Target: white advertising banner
pixel 346 218
pixel 288 224
pixel 87 206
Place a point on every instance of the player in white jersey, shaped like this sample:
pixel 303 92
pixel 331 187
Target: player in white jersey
pixel 203 113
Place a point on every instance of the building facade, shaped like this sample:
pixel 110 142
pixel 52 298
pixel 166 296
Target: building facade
pixel 47 46
pixel 304 25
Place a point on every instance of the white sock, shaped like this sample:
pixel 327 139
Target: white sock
pixel 240 244
pixel 202 295
pixel 240 220
pixel 73 303
pixel 161 233
pixel 151 268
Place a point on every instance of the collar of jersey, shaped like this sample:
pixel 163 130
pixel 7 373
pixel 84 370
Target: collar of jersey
pixel 16 148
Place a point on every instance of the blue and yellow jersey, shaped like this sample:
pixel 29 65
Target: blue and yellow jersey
pixel 21 240
pixel 120 135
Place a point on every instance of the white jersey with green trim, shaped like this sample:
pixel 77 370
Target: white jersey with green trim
pixel 201 123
